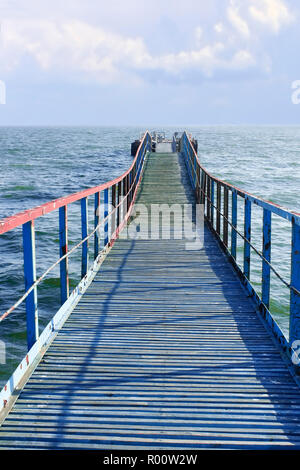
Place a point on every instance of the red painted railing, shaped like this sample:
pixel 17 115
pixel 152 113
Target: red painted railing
pixel 118 199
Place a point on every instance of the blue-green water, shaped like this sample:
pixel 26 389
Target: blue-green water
pixel 41 164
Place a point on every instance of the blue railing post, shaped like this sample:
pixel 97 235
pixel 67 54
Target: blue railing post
pixel 129 189
pixel 63 249
pixel 225 217
pixel 188 164
pixel 295 282
pixel 204 189
pixel 119 196
pixel 202 197
pixel 212 197
pixel 106 215
pixel 198 194
pixel 198 186
pixel 96 222
pixel 139 163
pixel 84 233
pixel 234 224
pixel 218 210
pixel 247 234
pixel 191 166
pixel 208 196
pixel 124 205
pixel 266 270
pixel 113 218
pixel 173 144
pixel 30 278
pixel 187 161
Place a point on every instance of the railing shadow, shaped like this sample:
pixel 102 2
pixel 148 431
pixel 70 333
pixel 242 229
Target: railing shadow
pixel 80 380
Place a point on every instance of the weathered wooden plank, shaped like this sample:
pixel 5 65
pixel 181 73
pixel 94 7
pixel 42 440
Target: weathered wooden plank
pixel 164 351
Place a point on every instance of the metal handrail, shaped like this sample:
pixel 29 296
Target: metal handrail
pixel 21 218
pixel 204 185
pixel 264 203
pixel 123 193
pixel 253 248
pixel 241 192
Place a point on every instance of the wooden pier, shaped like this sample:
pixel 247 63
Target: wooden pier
pixel 165 350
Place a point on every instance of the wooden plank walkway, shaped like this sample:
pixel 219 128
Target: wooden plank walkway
pixel 164 351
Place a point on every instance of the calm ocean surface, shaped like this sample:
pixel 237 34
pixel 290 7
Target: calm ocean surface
pixel 41 164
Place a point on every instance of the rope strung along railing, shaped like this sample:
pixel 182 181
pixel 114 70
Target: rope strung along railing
pixel 210 191
pixel 118 198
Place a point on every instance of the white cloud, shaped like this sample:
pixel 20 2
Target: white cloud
pixel 219 28
pixel 243 59
pixel 80 47
pixel 236 20
pixel 109 54
pixel 274 14
pixel 73 45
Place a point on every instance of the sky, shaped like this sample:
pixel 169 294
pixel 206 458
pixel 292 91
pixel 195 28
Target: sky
pixel 158 62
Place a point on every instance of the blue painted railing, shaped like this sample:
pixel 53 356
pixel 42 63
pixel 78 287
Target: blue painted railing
pixel 174 144
pixel 118 198
pixel 211 191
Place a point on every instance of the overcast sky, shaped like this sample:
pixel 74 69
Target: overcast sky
pixel 137 62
